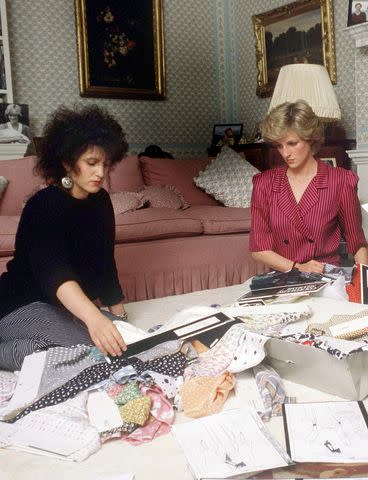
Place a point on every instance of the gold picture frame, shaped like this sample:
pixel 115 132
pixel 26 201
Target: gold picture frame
pixel 121 49
pixel 294 24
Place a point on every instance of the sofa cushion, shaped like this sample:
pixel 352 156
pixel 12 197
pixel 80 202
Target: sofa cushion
pixel 22 182
pixel 8 229
pixel 152 223
pixel 126 176
pixel 180 174
pixel 163 196
pixel 123 202
pixel 3 184
pixel 218 219
pixel 228 178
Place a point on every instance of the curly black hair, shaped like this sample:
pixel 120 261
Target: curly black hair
pixel 70 133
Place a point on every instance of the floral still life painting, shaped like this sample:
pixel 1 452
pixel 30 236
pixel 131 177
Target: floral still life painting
pixel 120 48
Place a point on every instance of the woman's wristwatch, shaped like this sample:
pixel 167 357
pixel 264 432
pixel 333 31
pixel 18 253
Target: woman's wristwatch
pixel 122 316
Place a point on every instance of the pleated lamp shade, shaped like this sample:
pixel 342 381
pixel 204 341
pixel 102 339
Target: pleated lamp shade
pixel 309 82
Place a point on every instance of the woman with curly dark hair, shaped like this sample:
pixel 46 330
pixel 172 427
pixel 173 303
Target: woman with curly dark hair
pixel 64 266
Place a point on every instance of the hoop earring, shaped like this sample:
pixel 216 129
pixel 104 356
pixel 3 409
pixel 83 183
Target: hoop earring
pixel 67 182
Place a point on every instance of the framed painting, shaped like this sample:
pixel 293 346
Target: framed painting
pixel 300 32
pixel 357 13
pixel 120 47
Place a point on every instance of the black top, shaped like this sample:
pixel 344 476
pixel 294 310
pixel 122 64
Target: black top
pixel 62 238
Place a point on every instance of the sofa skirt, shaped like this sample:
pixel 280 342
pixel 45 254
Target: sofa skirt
pixel 160 268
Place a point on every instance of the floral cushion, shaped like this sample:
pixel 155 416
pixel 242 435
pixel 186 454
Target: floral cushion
pixel 164 196
pixel 3 184
pixel 123 202
pixel 228 179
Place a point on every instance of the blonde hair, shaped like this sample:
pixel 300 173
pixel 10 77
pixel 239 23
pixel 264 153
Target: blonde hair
pixel 13 109
pixel 298 117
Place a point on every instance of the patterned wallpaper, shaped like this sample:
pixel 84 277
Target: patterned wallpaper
pixel 210 70
pixel 361 69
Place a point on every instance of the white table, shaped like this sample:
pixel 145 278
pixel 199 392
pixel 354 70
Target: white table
pixel 160 459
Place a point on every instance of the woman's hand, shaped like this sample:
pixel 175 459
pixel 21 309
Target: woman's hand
pixel 310 267
pixel 102 331
pixel 106 336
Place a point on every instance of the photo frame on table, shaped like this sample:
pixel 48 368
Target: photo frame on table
pixel 221 130
pixel 120 47
pixel 357 12
pixel 331 161
pixel 300 32
pixel 257 134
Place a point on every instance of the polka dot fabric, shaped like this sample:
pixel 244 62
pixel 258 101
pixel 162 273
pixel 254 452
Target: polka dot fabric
pixel 172 365
pixel 90 376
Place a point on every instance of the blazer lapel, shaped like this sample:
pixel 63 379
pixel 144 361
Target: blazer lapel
pixel 311 194
pixel 286 200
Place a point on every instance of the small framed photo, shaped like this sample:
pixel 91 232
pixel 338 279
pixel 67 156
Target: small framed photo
pixel 331 161
pixel 357 13
pixel 257 134
pixel 14 123
pixel 227 133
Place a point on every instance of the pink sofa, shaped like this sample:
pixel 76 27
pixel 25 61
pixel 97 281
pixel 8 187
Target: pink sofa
pixel 159 251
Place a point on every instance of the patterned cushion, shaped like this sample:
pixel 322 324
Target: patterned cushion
pixel 3 184
pixel 228 179
pixel 164 196
pixel 123 202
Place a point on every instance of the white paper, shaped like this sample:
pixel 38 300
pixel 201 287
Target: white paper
pixel 333 432
pixel 365 206
pixel 245 392
pixel 196 326
pixel 129 332
pixel 230 443
pixel 47 432
pixel 348 327
pixel 28 384
pixel 103 411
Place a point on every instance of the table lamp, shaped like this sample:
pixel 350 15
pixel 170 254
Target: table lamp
pixel 309 82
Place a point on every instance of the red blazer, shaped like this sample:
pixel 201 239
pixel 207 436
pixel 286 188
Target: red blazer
pixel 312 228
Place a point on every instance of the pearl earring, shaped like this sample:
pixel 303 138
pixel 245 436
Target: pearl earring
pixel 67 182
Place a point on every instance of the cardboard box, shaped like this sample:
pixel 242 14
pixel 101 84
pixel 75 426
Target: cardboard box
pixel 346 378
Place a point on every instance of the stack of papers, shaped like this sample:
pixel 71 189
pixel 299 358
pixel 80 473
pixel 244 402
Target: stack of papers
pixel 229 444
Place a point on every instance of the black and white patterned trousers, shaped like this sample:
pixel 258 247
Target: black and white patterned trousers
pixel 37 326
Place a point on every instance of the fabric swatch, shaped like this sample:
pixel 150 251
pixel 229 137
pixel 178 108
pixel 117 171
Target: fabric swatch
pixel 203 396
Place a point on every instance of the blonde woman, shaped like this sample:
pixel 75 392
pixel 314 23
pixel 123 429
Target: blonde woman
pixel 301 209
pixel 14 127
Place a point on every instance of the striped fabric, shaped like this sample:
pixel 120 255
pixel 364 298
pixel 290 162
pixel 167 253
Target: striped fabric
pixel 37 326
pixel 312 228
